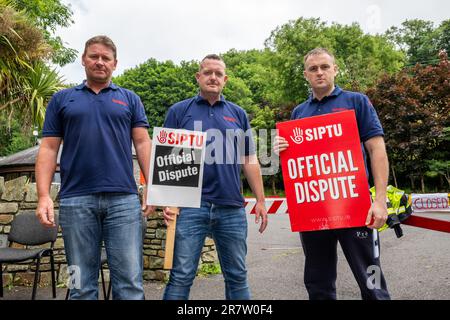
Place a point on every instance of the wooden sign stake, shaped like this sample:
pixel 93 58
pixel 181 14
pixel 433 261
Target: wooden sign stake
pixel 170 240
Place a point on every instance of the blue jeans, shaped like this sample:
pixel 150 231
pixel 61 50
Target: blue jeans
pixel 115 219
pixel 228 228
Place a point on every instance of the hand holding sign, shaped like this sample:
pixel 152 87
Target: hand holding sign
pixel 170 215
pixel 146 209
pixel 280 144
pixel 176 168
pixel 377 215
pixel 325 179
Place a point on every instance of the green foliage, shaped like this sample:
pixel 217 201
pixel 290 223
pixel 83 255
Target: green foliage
pixel 208 269
pixel 414 108
pixel 438 168
pixel 420 40
pixel 39 85
pixel 19 142
pixel 255 69
pixel 413 104
pixel 361 58
pixel 443 36
pixel 9 283
pixel 48 16
pixel 279 192
pixel 26 83
pixel 264 119
pixel 21 43
pixel 237 91
pixel 13 137
pixel 160 84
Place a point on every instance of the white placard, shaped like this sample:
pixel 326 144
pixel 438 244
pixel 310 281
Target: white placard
pixel 437 202
pixel 176 168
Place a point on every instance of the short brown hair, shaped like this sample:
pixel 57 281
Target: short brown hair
pixel 316 52
pixel 212 56
pixel 104 40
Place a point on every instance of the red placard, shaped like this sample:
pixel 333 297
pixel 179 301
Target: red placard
pixel 324 174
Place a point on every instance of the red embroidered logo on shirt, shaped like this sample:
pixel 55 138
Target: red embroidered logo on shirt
pixel 230 119
pixel 120 102
pixel 339 109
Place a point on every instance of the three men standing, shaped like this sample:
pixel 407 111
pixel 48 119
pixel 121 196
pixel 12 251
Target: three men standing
pixel 98 121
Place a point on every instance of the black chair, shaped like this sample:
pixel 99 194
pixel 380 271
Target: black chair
pixel 27 230
pixel 104 263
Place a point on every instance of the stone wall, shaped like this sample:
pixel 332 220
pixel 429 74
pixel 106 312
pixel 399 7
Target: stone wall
pixel 19 195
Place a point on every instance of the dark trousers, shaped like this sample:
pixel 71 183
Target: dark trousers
pixel 320 248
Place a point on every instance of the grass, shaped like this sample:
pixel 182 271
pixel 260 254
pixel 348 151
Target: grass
pixel 280 193
pixel 208 269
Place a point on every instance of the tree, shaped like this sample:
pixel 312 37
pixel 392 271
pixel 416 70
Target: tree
pixel 420 40
pixel 361 58
pixel 414 108
pixel 437 168
pixel 39 86
pixel 13 137
pixel 237 91
pixel 47 16
pixel 159 85
pixel 26 83
pixel 255 69
pixel 443 36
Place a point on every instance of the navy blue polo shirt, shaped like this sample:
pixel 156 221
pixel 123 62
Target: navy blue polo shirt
pixel 228 138
pixel 339 100
pixel 97 142
pixel 369 125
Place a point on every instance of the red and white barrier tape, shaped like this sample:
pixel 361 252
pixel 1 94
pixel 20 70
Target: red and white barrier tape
pixel 279 205
pixel 428 223
pixel 273 205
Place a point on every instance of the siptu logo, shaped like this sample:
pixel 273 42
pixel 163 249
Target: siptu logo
pixel 162 138
pixel 316 134
pixel 180 138
pixel 298 136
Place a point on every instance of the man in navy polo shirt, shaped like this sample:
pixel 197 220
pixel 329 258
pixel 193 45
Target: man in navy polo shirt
pixel 359 244
pixel 222 215
pixel 97 122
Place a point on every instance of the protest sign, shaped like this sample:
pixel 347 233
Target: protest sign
pixel 176 168
pixel 175 175
pixel 324 173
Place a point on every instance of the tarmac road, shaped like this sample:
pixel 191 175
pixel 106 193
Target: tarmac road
pixel 416 267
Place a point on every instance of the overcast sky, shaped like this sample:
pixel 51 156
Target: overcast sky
pixel 188 30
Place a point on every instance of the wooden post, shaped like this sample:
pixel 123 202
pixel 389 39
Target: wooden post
pixel 170 240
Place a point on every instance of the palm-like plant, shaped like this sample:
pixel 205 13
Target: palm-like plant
pixel 39 85
pixel 26 83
